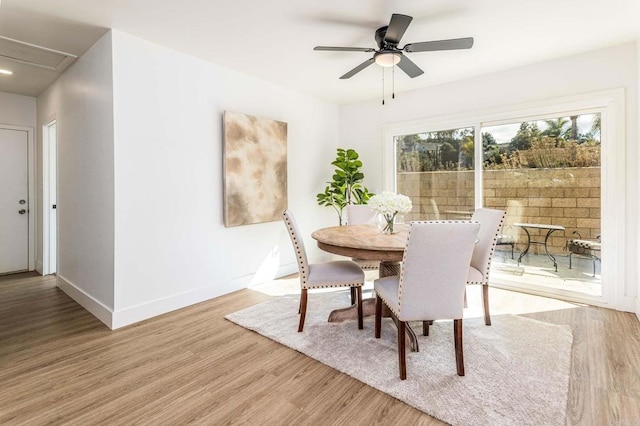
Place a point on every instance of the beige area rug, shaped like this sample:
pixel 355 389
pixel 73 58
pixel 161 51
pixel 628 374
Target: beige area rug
pixel 517 370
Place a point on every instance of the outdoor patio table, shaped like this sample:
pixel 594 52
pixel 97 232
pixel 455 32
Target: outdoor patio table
pixel 549 228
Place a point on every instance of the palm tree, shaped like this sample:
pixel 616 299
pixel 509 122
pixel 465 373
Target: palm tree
pixel 555 128
pixel 467 150
pixel 596 126
pixel 573 134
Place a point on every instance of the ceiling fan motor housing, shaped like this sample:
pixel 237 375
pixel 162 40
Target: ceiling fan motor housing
pixel 380 35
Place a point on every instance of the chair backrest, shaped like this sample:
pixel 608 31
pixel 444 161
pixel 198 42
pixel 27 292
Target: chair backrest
pixel 435 209
pixel 360 214
pixel 435 267
pixel 490 226
pixel 298 245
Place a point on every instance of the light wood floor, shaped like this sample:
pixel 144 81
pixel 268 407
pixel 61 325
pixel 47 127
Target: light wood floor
pixel 59 365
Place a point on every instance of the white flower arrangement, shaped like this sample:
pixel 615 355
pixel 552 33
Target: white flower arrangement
pixel 388 205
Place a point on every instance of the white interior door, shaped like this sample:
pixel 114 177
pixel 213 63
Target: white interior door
pixel 14 201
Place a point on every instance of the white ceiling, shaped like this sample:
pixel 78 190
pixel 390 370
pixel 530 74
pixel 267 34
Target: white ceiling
pixel 274 39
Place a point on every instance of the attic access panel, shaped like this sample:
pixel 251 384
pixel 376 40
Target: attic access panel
pixel 34 55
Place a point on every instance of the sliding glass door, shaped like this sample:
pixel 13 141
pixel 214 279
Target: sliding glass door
pixel 543 171
pixel 546 174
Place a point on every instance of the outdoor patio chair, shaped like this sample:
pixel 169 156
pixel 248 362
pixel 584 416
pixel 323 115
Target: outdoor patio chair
pixel 431 284
pixel 434 209
pixel 506 240
pixel 337 273
pixel 589 249
pixel 508 235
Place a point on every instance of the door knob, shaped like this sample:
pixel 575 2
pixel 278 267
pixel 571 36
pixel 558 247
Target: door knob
pixel 22 211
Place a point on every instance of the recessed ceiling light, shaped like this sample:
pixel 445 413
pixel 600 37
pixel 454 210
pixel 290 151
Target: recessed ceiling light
pixel 7 72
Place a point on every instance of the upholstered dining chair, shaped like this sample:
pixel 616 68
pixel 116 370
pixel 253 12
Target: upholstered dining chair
pixel 361 214
pixel 338 273
pixel 491 222
pixel 432 281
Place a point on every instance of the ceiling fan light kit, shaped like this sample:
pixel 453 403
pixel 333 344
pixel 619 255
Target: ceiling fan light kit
pixel 389 54
pixel 387 59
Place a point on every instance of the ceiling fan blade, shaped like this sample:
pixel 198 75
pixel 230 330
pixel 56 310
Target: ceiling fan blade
pixel 429 46
pixel 357 69
pixel 409 67
pixel 397 26
pixel 345 49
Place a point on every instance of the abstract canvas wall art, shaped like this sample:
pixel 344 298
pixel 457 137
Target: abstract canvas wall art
pixel 255 169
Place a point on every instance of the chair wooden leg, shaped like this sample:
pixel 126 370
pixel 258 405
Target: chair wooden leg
pixel 485 303
pixel 303 308
pixel 457 338
pixel 359 301
pixel 378 322
pixel 353 296
pixel 425 327
pixel 402 356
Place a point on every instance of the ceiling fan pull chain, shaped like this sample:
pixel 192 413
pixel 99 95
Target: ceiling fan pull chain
pixel 382 86
pixel 393 82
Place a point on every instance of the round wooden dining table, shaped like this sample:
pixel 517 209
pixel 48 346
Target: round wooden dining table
pixel 368 243
pixel 365 242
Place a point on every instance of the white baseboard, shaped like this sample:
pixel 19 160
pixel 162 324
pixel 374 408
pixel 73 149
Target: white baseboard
pixel 285 270
pixel 143 311
pixel 127 316
pixel 628 304
pixel 95 307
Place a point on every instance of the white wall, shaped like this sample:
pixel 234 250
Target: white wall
pixel 140 178
pixel 82 102
pixel 17 110
pixel 361 124
pixel 171 246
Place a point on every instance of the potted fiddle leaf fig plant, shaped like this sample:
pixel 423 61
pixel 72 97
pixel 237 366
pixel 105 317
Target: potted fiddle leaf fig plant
pixel 346 187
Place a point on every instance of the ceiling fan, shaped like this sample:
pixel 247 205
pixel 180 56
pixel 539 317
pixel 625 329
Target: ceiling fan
pixel 389 54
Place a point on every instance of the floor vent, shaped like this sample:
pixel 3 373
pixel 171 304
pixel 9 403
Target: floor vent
pixel 34 55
